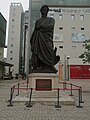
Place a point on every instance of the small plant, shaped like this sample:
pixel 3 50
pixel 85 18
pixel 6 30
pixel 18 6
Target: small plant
pixel 86 55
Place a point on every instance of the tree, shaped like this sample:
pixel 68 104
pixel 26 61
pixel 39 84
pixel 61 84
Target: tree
pixel 86 55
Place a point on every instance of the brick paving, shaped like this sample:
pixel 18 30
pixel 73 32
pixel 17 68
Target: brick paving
pixel 41 111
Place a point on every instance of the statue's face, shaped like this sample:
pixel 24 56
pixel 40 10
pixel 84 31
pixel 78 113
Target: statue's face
pixel 44 11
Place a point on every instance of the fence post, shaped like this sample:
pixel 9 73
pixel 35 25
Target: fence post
pixel 58 106
pixel 11 95
pixel 64 85
pixel 29 103
pixel 27 84
pixel 18 89
pixel 71 91
pixel 79 101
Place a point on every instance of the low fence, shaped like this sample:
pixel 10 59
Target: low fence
pixel 65 86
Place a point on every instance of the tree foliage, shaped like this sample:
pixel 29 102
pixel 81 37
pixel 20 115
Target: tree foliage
pixel 86 55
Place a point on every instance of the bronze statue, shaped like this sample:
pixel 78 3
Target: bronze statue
pixel 43 56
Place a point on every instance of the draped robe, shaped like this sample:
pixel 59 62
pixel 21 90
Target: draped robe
pixel 42 42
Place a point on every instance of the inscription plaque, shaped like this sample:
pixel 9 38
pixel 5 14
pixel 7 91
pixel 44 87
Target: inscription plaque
pixel 43 84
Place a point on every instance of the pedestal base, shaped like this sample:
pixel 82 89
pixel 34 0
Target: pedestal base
pixel 43 81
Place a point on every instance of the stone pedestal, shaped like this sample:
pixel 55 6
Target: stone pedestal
pixel 48 81
pixel 43 81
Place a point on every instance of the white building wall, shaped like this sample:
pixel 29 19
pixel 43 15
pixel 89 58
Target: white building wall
pixel 14 36
pixel 68 21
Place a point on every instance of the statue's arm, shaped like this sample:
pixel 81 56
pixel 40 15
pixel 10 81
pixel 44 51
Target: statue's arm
pixel 44 24
pixel 37 25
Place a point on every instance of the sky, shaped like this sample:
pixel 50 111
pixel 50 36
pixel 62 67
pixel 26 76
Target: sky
pixel 5 5
pixel 4 9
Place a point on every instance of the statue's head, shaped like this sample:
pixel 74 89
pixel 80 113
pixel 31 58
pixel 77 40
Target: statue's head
pixel 44 10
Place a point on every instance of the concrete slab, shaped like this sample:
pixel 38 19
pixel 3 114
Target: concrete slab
pixel 46 97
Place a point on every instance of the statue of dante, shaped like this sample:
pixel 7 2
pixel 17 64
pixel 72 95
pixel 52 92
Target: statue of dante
pixel 43 55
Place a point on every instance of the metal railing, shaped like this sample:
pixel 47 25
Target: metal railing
pixel 66 86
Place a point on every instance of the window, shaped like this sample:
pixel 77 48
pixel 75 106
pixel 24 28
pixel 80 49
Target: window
pixel 73 28
pixel 82 28
pixel 11 51
pixel 73 17
pixel 61 46
pixel 60 28
pixel 11 45
pixel 73 46
pixel 61 17
pixel 82 17
pixel 12 20
pixel 11 58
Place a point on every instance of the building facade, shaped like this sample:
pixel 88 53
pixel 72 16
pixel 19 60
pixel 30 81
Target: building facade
pixel 26 43
pixel 71 29
pixel 15 36
pixel 3 62
pixel 3 23
pixel 2 41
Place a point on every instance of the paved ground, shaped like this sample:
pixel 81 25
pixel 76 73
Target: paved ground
pixel 43 111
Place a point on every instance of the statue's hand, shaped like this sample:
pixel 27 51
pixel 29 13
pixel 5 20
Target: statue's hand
pixel 55 50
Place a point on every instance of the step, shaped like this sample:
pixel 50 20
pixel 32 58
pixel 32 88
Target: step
pixel 46 97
